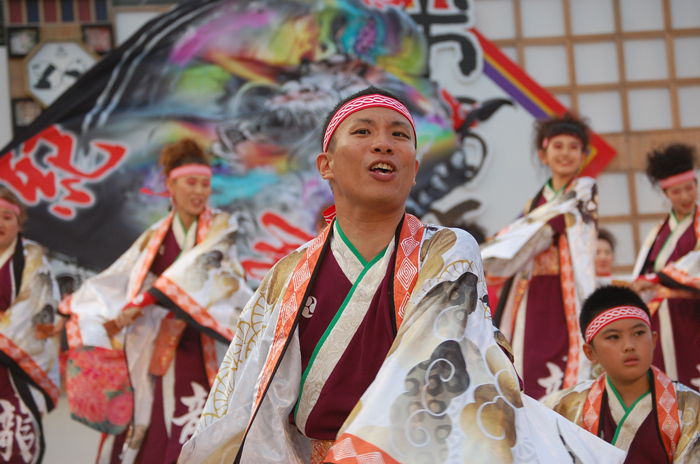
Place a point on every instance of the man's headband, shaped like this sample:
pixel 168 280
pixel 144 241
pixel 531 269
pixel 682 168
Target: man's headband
pixel 612 315
pixel 678 179
pixel 361 103
pixel 11 206
pixel 190 170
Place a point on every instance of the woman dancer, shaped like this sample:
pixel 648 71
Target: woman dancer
pixel 552 271
pixel 667 265
pixel 166 302
pixel 29 377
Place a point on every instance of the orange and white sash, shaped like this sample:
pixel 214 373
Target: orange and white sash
pixel 666 409
pixel 405 277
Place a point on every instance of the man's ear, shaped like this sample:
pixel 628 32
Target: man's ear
pixel 655 338
pixel 590 353
pixel 169 185
pixel 542 156
pixel 324 166
pixel 416 173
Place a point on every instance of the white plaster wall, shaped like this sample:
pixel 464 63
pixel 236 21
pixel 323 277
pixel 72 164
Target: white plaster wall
pixel 5 109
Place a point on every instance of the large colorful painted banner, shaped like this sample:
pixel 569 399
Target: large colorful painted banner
pixel 252 82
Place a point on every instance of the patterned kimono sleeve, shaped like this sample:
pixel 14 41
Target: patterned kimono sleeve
pixel 683 273
pixel 688 450
pixel 252 322
pixel 517 244
pixel 569 402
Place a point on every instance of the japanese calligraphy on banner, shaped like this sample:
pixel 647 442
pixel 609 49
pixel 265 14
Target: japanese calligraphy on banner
pixel 252 82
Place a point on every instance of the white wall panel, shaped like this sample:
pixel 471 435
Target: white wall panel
pixel 592 17
pixel 596 63
pixel 613 194
pixel 649 109
pixel 542 18
pixel 547 64
pixel 603 109
pixel 495 18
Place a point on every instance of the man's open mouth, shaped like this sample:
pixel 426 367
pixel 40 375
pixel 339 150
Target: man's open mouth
pixel 382 167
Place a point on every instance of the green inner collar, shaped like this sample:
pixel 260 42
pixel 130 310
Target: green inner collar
pixel 673 211
pixel 629 410
pixel 556 192
pixel 353 249
pixel 186 231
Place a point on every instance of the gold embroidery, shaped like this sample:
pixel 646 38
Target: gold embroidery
pixel 547 263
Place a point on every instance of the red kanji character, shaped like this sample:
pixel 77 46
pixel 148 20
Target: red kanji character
pixel 26 179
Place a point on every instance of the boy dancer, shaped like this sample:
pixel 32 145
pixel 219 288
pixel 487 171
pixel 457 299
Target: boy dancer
pixel 633 405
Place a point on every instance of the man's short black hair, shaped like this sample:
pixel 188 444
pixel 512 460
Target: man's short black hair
pixel 368 91
pixel 606 298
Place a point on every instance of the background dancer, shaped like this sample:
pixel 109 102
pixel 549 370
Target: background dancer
pixel 178 291
pixel 552 272
pixel 29 377
pixel 669 257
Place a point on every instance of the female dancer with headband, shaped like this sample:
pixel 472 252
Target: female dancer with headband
pixel 29 377
pixel 165 304
pixel 553 271
pixel 667 268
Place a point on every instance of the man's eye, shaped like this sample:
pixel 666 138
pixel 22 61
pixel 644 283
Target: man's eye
pixel 611 337
pixel 362 131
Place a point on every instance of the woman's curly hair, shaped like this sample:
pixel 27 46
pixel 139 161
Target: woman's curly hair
pixel 673 159
pixel 180 153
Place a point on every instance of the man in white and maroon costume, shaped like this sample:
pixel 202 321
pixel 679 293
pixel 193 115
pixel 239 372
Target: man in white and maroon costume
pixel 29 377
pixel 182 275
pixel 374 342
pixel 668 266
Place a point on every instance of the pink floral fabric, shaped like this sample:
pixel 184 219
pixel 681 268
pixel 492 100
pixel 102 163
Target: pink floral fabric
pixel 99 392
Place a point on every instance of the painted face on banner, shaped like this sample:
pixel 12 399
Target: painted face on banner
pixel 683 197
pixel 190 194
pixel 372 160
pixel 9 228
pixel 564 155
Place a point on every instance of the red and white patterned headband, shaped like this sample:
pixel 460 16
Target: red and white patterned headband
pixel 361 103
pixel 11 206
pixel 678 179
pixel 545 141
pixel 190 170
pixel 612 315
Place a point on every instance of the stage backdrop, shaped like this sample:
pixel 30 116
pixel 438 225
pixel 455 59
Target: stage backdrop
pixel 252 82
